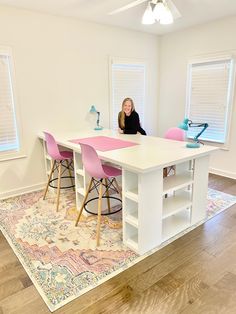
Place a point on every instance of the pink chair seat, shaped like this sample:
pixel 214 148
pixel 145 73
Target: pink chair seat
pixel 66 155
pixel 111 171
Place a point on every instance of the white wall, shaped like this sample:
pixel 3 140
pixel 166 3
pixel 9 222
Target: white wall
pixel 61 69
pixel 176 50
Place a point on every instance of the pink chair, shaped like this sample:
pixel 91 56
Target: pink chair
pixel 101 176
pixel 176 134
pixel 59 159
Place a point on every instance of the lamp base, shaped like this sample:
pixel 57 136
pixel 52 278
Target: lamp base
pixel 98 128
pixel 193 145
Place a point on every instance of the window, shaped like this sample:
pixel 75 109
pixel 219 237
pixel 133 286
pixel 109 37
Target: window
pixel 127 80
pixel 9 138
pixel 209 98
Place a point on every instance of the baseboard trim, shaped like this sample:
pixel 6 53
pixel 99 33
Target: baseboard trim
pixel 231 175
pixel 24 190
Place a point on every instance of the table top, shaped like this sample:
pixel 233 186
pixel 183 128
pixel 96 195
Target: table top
pixel 152 152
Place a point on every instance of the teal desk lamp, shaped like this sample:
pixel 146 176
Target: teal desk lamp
pixel 94 110
pixel 186 124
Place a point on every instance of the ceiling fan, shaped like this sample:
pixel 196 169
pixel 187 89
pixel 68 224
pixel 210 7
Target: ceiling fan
pixel 163 11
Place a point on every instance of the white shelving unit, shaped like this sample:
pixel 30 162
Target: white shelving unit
pixel 131 214
pixel 171 208
pixel 139 212
pixel 177 200
pixel 177 206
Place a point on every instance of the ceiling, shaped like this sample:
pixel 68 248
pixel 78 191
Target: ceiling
pixel 193 12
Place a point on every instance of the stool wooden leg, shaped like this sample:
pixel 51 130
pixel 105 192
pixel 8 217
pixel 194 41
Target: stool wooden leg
pixel 71 179
pixel 107 194
pixel 99 213
pixel 49 178
pixel 58 185
pixel 84 200
pixel 118 188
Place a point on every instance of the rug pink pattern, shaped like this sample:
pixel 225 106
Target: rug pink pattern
pixel 63 261
pixel 104 143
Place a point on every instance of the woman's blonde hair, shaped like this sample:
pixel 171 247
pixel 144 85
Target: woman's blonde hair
pixel 121 116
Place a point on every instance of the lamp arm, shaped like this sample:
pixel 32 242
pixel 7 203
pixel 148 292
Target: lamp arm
pixel 98 118
pixel 198 125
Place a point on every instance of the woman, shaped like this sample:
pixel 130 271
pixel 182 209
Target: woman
pixel 128 119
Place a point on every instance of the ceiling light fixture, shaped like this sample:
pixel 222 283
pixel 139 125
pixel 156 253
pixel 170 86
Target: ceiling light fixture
pixel 157 10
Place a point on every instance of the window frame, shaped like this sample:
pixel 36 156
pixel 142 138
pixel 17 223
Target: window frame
pixel 12 154
pixel 129 61
pixel 230 95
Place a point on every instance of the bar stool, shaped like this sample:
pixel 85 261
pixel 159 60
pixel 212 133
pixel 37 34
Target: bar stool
pixel 59 159
pixel 101 176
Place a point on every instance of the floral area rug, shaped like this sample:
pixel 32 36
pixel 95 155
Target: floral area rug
pixel 62 260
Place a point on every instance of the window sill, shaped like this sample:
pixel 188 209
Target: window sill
pixel 8 158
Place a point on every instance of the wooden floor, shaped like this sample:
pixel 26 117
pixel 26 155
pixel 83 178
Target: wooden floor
pixel 194 274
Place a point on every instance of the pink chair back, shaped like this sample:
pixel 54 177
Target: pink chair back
pixel 91 162
pixel 175 134
pixel 52 147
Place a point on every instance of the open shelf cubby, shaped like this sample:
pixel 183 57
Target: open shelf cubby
pixel 79 181
pixel 180 200
pixel 131 215
pixel 178 181
pixel 176 223
pixel 131 236
pixel 131 185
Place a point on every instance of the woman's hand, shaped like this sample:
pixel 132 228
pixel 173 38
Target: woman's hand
pixel 120 131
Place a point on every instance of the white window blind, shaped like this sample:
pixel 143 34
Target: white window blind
pixel 127 80
pixel 9 141
pixel 210 98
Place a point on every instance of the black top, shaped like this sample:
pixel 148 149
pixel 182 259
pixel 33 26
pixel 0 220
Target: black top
pixel 132 124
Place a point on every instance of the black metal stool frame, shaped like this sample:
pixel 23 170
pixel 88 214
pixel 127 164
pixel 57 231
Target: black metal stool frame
pixel 109 186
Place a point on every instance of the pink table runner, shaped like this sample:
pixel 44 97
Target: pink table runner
pixel 104 143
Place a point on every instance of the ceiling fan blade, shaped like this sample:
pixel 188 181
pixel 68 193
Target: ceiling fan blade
pixel 175 12
pixel 128 6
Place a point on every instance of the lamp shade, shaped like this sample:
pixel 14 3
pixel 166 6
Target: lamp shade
pixel 148 17
pixel 167 17
pixel 159 10
pixel 184 124
pixel 93 109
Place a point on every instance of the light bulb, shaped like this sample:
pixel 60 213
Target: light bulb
pixel 148 17
pixel 167 17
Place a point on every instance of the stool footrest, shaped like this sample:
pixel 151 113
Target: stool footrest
pixel 103 214
pixel 62 187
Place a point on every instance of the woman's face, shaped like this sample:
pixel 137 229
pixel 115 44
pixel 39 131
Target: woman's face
pixel 127 108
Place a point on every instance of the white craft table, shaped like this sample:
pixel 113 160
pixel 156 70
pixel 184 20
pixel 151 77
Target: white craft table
pixel 149 218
